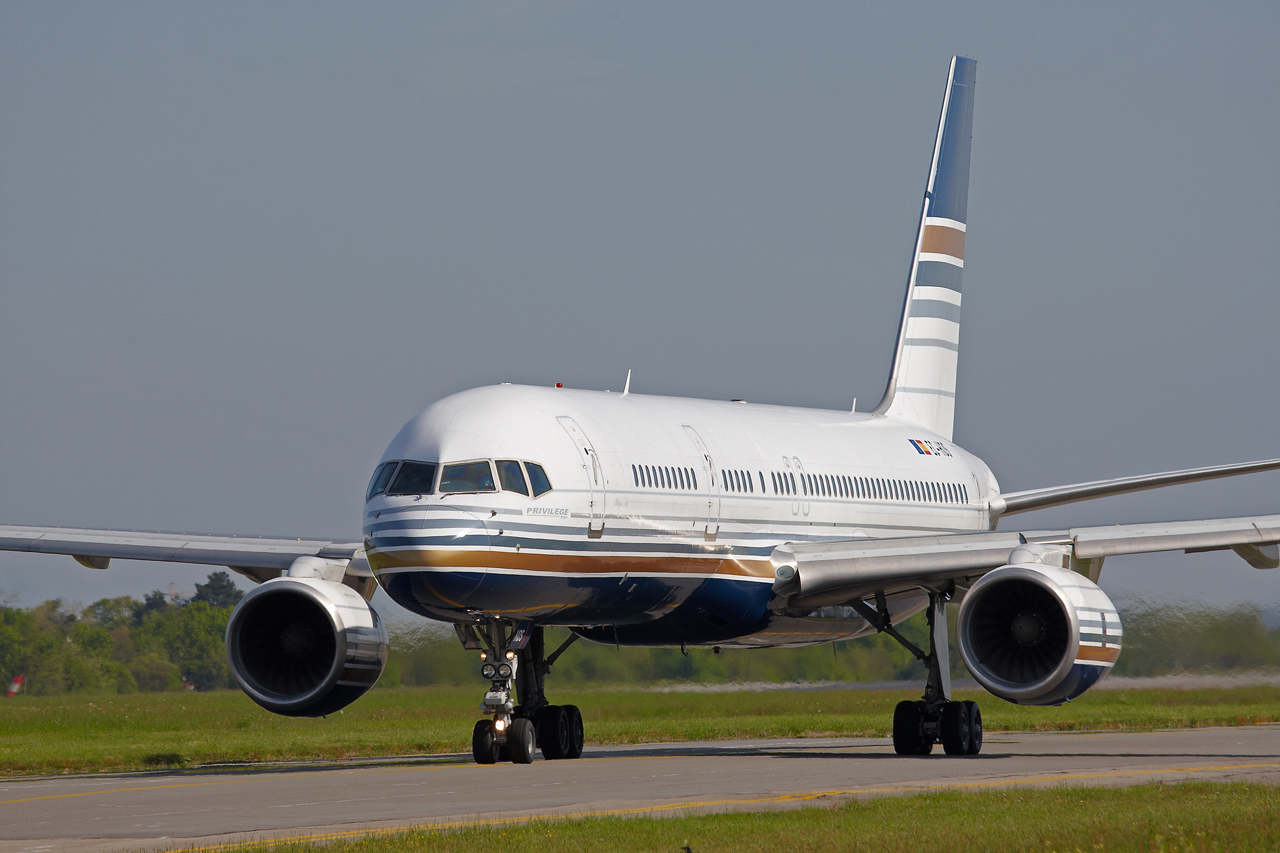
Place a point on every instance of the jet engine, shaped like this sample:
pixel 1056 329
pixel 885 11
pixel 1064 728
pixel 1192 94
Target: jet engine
pixel 305 647
pixel 1035 634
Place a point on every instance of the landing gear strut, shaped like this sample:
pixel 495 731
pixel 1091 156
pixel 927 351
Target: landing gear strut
pixel 516 667
pixel 918 725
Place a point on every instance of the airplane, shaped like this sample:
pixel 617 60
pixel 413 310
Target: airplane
pixel 661 521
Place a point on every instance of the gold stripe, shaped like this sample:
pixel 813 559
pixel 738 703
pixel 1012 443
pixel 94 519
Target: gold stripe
pixel 1097 653
pixel 941 240
pixel 578 564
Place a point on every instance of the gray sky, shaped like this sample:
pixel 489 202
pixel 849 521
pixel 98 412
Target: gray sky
pixel 241 244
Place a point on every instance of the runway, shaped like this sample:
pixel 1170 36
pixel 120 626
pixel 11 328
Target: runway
pixel 214 806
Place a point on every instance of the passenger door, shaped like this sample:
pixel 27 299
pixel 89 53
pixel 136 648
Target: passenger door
pixel 595 475
pixel 711 522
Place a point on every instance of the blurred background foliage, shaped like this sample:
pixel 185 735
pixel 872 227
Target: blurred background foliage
pixel 168 643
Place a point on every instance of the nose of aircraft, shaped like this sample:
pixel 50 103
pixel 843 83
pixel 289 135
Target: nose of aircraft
pixel 432 558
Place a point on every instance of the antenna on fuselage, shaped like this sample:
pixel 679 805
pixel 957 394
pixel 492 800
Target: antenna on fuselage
pixel 626 389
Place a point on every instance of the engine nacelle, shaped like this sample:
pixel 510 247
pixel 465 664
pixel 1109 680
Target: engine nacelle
pixel 1037 635
pixel 305 647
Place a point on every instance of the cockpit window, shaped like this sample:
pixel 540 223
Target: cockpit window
pixel 381 477
pixel 414 478
pixel 537 478
pixel 467 477
pixel 511 477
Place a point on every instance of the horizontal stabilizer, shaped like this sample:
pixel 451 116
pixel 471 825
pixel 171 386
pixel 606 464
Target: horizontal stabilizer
pixel 1059 495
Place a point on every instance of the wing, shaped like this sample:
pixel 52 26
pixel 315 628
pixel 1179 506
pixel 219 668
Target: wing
pixel 254 557
pixel 814 575
pixel 1058 495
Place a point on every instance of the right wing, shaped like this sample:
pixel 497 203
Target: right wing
pixel 811 575
pixel 254 557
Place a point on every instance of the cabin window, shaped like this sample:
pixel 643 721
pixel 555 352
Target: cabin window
pixel 694 475
pixel 511 477
pixel 381 476
pixel 537 478
pixel 635 475
pixel 680 472
pixel 467 477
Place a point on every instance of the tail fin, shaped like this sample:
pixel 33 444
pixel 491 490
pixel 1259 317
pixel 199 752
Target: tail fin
pixel 922 386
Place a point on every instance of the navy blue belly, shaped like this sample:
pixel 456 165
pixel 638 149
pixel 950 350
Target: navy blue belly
pixel 647 610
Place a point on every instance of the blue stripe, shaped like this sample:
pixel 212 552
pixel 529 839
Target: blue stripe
pixel 935 308
pixel 583 545
pixel 951 183
pixel 938 274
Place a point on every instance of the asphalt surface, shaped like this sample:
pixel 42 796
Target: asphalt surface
pixel 214 806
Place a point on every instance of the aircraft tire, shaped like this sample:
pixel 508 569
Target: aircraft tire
pixel 520 740
pixel 553 732
pixel 576 734
pixel 483 747
pixel 954 728
pixel 906 728
pixel 975 728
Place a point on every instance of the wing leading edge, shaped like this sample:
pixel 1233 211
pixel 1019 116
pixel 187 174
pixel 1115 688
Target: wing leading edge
pixel 257 558
pixel 814 575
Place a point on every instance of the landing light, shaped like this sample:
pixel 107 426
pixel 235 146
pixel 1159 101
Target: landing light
pixel 488 670
pixel 499 724
pixel 484 656
pixel 511 655
pixel 504 670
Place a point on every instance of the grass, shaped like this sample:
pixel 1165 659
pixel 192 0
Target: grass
pixel 1192 816
pixel 79 733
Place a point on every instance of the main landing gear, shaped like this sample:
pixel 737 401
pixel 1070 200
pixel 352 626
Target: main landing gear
pixel 918 725
pixel 513 662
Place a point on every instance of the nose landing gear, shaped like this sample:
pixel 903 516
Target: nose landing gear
pixel 513 662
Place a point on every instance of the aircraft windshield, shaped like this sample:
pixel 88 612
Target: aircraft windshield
pixel 381 477
pixel 537 478
pixel 413 478
pixel 467 477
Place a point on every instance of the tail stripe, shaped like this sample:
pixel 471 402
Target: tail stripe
pixel 922 387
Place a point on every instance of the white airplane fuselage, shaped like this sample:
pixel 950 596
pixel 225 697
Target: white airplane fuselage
pixel 662 515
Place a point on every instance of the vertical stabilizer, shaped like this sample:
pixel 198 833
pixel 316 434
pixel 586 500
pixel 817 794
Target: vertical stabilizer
pixel 922 386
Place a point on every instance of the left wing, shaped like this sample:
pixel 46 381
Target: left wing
pixel 254 557
pixel 811 575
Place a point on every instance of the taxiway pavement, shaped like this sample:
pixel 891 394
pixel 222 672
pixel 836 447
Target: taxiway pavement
pixel 211 807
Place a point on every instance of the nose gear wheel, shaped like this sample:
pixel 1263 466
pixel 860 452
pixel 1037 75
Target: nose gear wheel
pixel 517 669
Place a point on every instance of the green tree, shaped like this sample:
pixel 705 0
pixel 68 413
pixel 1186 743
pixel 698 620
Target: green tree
pixel 220 591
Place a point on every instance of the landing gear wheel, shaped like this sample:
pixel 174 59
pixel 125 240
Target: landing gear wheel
pixel 907 737
pixel 520 741
pixel 483 747
pixel 975 728
pixel 954 728
pixel 573 723
pixel 553 732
